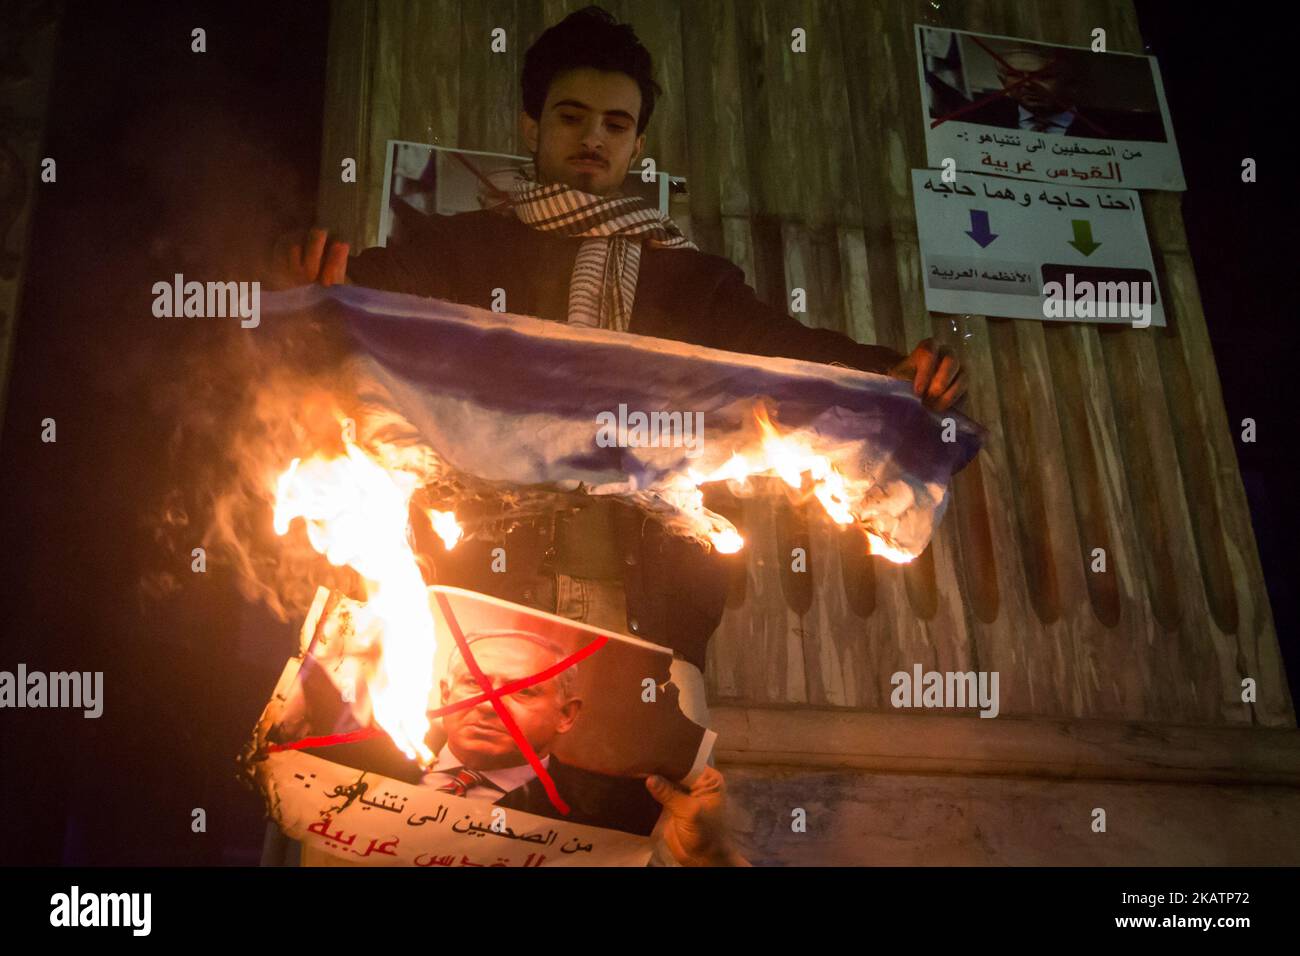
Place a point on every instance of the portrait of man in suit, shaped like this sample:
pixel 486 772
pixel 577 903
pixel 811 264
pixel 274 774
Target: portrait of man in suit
pixel 1048 90
pixel 1042 96
pixel 481 760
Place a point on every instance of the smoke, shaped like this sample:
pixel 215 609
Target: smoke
pixel 242 411
pixel 208 190
pixel 248 403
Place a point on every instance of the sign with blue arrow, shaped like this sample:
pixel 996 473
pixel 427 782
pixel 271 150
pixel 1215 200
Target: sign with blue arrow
pixel 1026 250
pixel 979 228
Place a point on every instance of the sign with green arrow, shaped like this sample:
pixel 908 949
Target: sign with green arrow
pixel 991 245
pixel 1083 237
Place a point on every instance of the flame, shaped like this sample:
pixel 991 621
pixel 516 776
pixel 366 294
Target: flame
pixel 793 459
pixel 727 541
pixel 445 524
pixel 356 514
pixel 879 546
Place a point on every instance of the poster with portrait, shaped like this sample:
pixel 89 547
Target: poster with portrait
pixel 425 180
pixel 541 733
pixel 1014 107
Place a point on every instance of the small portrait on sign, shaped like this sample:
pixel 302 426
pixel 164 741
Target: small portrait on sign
pixel 1020 84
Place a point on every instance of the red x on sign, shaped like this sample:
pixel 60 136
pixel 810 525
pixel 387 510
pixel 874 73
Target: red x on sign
pixel 494 695
pixel 1033 78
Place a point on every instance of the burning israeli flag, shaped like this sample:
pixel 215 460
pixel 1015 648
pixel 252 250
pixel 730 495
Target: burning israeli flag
pixel 521 402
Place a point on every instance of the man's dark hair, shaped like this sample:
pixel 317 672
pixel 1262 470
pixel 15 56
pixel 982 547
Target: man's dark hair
pixel 589 37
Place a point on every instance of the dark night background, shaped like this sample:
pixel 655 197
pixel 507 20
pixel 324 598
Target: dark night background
pixel 170 161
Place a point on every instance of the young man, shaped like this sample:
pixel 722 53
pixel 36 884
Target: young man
pixel 588 98
pixel 568 246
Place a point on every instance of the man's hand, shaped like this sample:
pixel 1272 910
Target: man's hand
pixel 301 259
pixel 696 831
pixel 936 375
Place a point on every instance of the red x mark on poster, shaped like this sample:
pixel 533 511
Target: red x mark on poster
pixel 494 695
pixel 1023 78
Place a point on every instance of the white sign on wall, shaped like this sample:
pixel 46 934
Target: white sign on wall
pixel 994 246
pixel 1060 114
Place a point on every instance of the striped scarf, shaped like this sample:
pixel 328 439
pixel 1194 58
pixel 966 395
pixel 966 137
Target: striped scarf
pixel 603 286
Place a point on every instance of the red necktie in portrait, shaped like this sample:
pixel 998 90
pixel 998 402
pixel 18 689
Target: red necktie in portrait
pixel 463 780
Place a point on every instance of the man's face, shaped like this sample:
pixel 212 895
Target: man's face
pixel 586 136
pixel 476 735
pixel 1041 92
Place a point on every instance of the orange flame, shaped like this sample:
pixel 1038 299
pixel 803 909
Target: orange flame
pixel 356 514
pixel 445 524
pixel 356 509
pixel 879 546
pixel 793 459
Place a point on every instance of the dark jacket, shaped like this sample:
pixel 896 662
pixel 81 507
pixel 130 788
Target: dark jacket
pixel 675 590
pixel 1090 121
pixel 594 800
